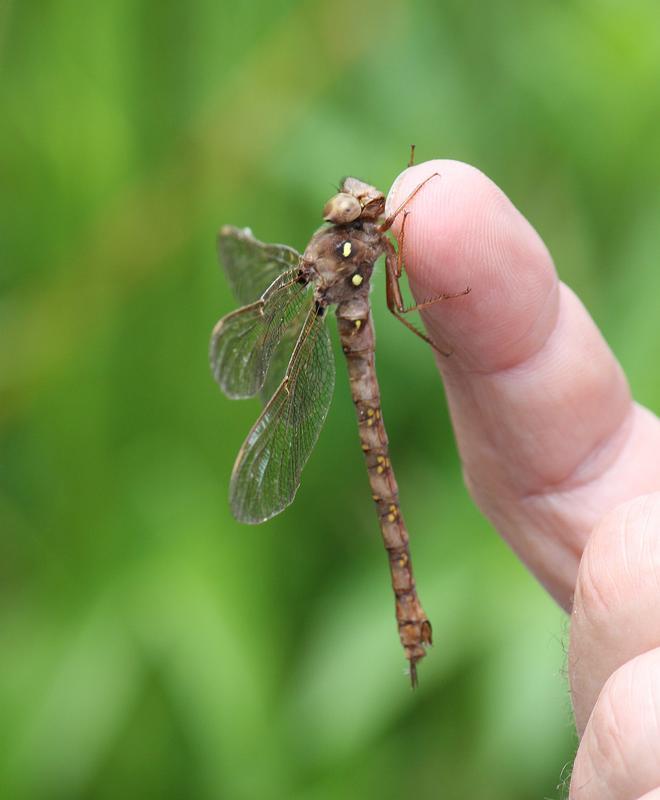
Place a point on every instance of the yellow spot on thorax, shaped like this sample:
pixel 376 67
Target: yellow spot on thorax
pixel 358 324
pixel 356 280
pixel 346 249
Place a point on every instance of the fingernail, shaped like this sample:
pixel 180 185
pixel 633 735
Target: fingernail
pixel 390 202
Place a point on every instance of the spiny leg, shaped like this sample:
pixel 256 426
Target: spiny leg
pixel 400 269
pixel 387 223
pixel 423 336
pixel 433 300
pixel 395 301
pixel 400 240
pixel 394 271
pixel 395 267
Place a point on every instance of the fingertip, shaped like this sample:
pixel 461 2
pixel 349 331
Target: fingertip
pixel 462 230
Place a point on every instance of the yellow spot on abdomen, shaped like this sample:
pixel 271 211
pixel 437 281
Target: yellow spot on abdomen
pixel 356 280
pixel 346 249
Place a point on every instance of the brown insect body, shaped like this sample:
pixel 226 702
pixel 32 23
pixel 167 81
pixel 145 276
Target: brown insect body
pixel 277 345
pixel 339 260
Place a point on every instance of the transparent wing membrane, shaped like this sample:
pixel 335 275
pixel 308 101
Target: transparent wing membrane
pixel 267 472
pixel 243 343
pixel 250 265
pixel 282 355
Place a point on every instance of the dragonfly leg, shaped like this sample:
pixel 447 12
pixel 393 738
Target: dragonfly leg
pixel 411 160
pixel 399 251
pixel 434 300
pixel 400 269
pixel 394 272
pixel 387 223
pixel 399 272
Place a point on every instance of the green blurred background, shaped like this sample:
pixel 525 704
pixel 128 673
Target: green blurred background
pixel 149 645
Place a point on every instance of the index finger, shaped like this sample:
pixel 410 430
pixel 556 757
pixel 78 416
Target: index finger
pixel 540 406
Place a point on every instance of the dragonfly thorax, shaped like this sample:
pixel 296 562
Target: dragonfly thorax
pixel 339 260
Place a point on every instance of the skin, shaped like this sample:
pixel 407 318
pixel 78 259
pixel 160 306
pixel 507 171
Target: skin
pixel 555 452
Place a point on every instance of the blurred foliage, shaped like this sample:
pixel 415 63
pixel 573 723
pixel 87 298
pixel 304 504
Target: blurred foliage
pixel 151 646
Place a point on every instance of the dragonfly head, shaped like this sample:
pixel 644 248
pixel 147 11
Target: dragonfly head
pixel 341 209
pixel 356 200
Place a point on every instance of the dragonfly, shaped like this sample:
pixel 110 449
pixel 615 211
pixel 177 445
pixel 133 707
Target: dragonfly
pixel 277 345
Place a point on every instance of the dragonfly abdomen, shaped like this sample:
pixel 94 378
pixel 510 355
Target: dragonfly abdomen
pixel 358 343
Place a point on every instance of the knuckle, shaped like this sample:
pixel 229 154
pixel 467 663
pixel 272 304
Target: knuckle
pixel 621 561
pixel 622 737
pixel 610 720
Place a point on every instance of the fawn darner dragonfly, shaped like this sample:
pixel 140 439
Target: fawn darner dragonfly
pixel 277 345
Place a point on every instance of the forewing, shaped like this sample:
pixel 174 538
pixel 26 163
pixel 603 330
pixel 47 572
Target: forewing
pixel 267 472
pixel 244 342
pixel 250 265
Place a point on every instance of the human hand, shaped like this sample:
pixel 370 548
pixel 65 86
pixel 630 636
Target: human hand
pixel 552 445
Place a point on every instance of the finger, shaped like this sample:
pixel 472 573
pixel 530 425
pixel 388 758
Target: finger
pixel 616 615
pixel 618 755
pixel 461 231
pixel 546 429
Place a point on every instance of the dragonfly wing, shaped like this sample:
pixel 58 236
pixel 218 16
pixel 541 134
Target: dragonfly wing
pixel 244 342
pixel 250 265
pixel 267 472
pixel 281 356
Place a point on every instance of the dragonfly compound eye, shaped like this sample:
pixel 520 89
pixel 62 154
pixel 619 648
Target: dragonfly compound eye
pixel 341 209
